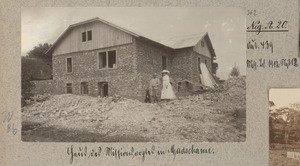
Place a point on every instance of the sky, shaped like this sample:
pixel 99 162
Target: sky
pixel 225 26
pixel 284 97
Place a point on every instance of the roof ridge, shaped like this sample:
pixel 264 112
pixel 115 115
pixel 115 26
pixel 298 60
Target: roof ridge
pixel 192 35
pixel 180 43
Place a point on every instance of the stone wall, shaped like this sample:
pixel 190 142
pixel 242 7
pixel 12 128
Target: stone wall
pixel 181 64
pixel 149 60
pixel 43 87
pixel 122 80
pixel 136 63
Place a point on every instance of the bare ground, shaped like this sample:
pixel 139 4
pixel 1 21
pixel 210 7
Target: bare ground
pixel 129 120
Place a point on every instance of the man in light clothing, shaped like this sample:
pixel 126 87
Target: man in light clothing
pixel 154 83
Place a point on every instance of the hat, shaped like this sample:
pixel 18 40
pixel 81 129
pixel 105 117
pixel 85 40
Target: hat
pixel 165 71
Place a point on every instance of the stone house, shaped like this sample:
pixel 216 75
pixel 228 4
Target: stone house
pixel 98 58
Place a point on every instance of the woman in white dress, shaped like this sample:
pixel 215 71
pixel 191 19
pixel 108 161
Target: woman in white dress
pixel 167 92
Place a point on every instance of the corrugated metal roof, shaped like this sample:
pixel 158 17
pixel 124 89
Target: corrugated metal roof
pixel 183 41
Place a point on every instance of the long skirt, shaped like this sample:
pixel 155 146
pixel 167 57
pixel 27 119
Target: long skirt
pixel 167 92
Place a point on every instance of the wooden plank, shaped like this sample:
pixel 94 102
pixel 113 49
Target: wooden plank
pixel 203 50
pixel 102 36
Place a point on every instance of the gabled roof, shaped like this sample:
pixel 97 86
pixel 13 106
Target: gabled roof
pixel 187 41
pixel 182 41
pixel 172 43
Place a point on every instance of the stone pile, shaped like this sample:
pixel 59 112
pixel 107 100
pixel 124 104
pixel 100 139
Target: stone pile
pixel 229 97
pixel 189 118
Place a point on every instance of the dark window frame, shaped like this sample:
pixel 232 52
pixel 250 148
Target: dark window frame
pixel 83 36
pixel 103 89
pixel 84 88
pixel 106 61
pixel 202 43
pixel 69 88
pixel 89 35
pixel 164 62
pixel 69 67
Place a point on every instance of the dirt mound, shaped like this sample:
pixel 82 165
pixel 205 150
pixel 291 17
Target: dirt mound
pixel 67 105
pixel 233 82
pixel 230 97
pixel 189 119
pixel 194 118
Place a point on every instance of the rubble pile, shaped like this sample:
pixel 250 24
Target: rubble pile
pixel 73 106
pixel 230 97
pixel 190 118
pixel 38 98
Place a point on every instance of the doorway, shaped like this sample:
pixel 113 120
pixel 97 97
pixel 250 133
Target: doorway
pixel 84 88
pixel 103 89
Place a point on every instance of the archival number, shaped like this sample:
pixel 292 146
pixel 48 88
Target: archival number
pixel 263 45
pixel 271 26
pixel 10 127
pixel 251 12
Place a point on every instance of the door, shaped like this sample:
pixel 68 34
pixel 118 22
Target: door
pixel 103 89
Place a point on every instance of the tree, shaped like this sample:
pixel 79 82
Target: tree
pixel 26 84
pixel 27 72
pixel 40 53
pixel 235 72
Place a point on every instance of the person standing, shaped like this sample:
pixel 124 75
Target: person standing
pixel 167 92
pixel 153 89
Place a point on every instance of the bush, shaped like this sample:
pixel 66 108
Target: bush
pixel 235 72
pixel 26 84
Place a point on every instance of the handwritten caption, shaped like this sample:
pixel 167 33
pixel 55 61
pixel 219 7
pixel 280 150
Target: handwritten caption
pixel 257 45
pixel 251 12
pixel 8 124
pixel 119 153
pixel 271 26
pixel 268 63
pixel 257 27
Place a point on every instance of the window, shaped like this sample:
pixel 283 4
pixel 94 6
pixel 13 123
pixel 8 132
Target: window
pixel 69 88
pixel 202 43
pixel 205 61
pixel 107 59
pixel 84 88
pixel 69 65
pixel 102 60
pixel 164 62
pixel 83 34
pixel 111 59
pixel 86 36
pixel 102 89
pixel 89 35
